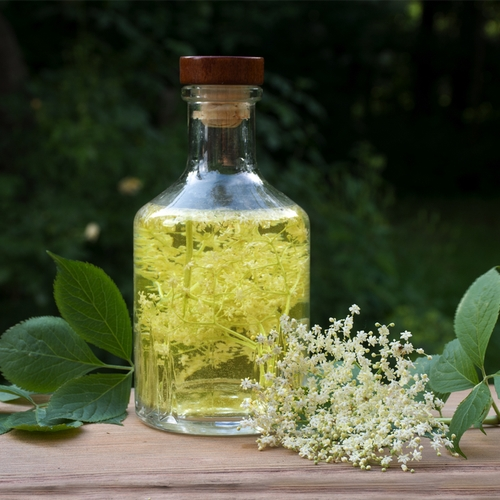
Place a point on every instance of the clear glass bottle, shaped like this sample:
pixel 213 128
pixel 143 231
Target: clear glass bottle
pixel 218 258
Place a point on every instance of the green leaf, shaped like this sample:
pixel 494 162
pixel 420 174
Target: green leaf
pixel 7 396
pixel 470 412
pixel 115 420
pixel 4 425
pixel 93 398
pixel 11 392
pixel 454 370
pixel 35 420
pixel 425 365
pixel 43 353
pixel 477 314
pixel 91 303
pixel 496 381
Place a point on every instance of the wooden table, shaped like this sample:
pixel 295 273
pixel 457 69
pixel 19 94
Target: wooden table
pixel 136 462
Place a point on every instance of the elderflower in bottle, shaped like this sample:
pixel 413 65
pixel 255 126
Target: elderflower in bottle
pixel 219 257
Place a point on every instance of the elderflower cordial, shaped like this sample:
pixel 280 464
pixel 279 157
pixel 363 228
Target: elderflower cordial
pixel 219 257
pixel 336 396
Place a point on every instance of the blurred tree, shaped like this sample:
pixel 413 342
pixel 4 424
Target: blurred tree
pixel 358 96
pixel 12 69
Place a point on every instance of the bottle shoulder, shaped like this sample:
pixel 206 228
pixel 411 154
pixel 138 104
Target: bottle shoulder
pixel 213 190
pixel 212 201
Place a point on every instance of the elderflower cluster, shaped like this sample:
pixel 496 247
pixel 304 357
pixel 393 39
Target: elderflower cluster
pixel 336 396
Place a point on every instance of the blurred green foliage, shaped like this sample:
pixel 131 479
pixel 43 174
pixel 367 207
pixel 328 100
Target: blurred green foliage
pixel 98 128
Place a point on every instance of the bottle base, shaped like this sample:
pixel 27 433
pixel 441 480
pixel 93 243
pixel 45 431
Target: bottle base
pixel 197 427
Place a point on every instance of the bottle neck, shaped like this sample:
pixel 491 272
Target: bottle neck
pixel 221 125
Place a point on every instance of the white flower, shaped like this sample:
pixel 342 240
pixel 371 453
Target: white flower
pixel 260 338
pixel 328 401
pixel 405 335
pixel 354 309
pixel 246 383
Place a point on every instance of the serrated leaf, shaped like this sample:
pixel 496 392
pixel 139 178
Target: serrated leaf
pixel 93 398
pixel 454 370
pixel 11 393
pixel 91 303
pixel 35 420
pixel 470 412
pixel 43 353
pixel 115 420
pixel 425 365
pixel 477 314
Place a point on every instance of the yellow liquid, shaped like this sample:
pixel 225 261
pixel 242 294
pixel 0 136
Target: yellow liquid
pixel 206 284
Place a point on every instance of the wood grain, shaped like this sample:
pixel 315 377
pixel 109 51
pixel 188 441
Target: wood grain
pixel 134 461
pixel 221 70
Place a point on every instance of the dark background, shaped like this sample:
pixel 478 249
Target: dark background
pixel 381 119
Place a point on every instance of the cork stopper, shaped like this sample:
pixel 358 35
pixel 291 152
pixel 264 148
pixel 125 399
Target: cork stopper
pixel 221 70
pixel 224 92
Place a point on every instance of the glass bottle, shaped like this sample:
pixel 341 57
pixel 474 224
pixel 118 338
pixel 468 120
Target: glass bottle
pixel 218 258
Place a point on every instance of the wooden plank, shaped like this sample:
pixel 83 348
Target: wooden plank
pixel 137 462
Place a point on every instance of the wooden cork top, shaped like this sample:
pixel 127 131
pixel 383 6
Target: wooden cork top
pixel 221 70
